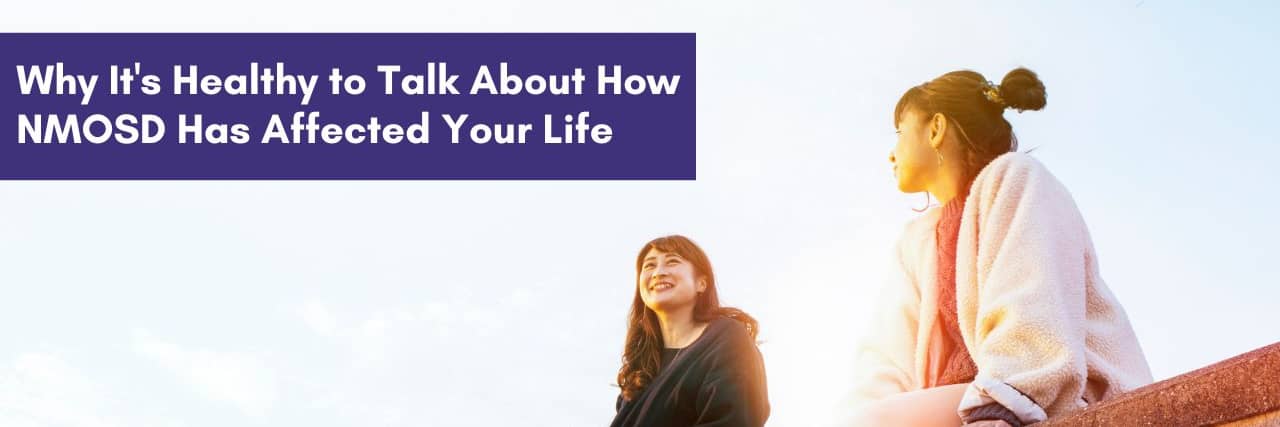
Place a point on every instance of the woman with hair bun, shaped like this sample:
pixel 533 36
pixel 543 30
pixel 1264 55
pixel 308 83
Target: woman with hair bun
pixel 687 360
pixel 997 314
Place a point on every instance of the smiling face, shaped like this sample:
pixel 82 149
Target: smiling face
pixel 915 161
pixel 667 281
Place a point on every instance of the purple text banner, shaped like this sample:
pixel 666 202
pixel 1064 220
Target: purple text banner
pixel 347 106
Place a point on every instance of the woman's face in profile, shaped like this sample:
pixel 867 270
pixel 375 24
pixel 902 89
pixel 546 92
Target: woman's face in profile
pixel 667 281
pixel 914 159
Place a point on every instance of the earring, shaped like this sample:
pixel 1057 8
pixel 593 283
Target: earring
pixel 939 153
pixel 927 201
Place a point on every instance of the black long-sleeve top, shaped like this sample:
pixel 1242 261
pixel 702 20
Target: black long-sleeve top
pixel 717 381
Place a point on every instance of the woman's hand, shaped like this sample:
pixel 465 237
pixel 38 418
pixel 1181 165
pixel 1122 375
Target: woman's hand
pixel 988 423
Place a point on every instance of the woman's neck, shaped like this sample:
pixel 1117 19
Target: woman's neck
pixel 678 328
pixel 949 184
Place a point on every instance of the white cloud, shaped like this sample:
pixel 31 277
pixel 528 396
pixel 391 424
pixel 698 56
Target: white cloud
pixel 407 361
pixel 42 389
pixel 378 334
pixel 239 378
pixel 318 317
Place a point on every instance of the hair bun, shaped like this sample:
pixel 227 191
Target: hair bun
pixel 1022 90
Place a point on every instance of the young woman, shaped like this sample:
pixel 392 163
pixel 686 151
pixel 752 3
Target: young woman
pixel 997 315
pixel 687 361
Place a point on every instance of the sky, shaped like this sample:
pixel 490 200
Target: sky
pixel 455 303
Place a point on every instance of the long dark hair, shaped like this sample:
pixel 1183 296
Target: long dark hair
pixel 642 353
pixel 977 106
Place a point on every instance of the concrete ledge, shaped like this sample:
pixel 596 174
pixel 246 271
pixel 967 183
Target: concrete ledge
pixel 1243 391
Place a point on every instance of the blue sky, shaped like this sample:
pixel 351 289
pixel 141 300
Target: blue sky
pixel 492 303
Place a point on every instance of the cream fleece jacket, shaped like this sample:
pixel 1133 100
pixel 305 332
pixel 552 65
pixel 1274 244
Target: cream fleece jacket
pixel 1047 335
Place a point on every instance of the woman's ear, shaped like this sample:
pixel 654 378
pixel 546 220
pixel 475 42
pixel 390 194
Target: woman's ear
pixel 937 128
pixel 702 285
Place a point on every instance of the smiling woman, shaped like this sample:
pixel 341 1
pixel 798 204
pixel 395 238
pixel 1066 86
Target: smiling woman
pixel 687 361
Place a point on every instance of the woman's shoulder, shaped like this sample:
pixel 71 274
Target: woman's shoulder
pixel 1017 182
pixel 917 234
pixel 726 331
pixel 1011 163
pixel 1018 173
pixel 730 345
pixel 923 223
pixel 1013 169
